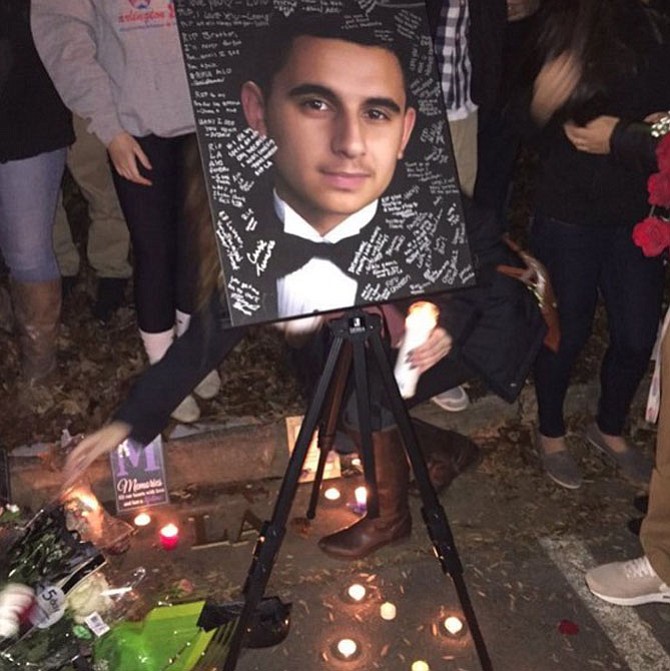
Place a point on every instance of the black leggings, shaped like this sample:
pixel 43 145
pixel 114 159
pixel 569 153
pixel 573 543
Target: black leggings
pixel 164 272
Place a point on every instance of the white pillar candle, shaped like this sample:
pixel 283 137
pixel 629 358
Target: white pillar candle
pixel 419 324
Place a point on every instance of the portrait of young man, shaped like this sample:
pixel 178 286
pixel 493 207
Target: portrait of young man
pixel 333 183
pixel 336 107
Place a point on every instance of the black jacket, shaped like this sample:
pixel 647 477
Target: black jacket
pixel 33 118
pixel 596 190
pixel 496 326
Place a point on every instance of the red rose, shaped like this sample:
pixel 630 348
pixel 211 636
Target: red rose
pixel 652 235
pixel 659 189
pixel 663 154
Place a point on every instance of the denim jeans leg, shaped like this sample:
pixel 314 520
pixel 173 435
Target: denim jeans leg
pixel 28 196
pixel 572 257
pixel 632 288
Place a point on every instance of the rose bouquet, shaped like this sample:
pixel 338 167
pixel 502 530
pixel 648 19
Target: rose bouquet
pixel 652 234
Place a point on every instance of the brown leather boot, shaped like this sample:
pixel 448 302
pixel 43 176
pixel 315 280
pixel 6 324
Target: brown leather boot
pixel 447 453
pixel 37 312
pixel 394 521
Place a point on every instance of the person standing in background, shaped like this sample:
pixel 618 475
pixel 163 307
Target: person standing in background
pixel 108 243
pixel 121 68
pixel 35 130
pixel 469 40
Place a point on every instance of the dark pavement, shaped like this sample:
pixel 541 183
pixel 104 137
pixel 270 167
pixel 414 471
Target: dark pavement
pixel 524 543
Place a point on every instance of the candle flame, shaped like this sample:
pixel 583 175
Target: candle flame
pixel 88 499
pixel 424 309
pixel 142 520
pixel 420 665
pixel 453 625
pixel 347 647
pixel 169 531
pixel 332 494
pixel 357 592
pixel 361 494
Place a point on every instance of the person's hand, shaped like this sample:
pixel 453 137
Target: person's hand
pixel 521 9
pixel 435 348
pixel 90 448
pixel 554 85
pixel 594 137
pixel 124 151
pixel 656 116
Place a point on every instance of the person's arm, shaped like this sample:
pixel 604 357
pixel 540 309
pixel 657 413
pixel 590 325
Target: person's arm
pixel 64 34
pixel 629 143
pixel 160 388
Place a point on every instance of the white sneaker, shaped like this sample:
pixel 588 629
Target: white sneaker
pixel 452 400
pixel 187 411
pixel 209 386
pixel 628 583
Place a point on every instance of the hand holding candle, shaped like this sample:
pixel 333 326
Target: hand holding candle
pixel 420 322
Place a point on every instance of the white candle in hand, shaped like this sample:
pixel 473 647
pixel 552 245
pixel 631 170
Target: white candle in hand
pixel 419 324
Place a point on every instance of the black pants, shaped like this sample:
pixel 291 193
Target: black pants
pixel 164 273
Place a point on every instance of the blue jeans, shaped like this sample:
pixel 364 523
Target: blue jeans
pixel 583 261
pixel 28 196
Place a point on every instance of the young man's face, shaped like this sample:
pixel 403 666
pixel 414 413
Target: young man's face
pixel 337 112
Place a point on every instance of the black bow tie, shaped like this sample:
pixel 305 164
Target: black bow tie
pixel 293 252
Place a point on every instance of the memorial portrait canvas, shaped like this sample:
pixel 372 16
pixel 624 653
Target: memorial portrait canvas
pixel 326 154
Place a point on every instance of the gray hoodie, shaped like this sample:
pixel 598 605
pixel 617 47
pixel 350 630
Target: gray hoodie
pixel 117 63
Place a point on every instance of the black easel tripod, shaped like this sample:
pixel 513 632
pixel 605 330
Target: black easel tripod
pixel 359 329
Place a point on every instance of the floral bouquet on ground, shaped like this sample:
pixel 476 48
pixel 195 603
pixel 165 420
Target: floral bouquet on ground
pixel 51 580
pixel 652 234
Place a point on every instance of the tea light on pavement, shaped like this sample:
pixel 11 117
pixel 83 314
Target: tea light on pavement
pixel 356 592
pixel 346 648
pixel 420 665
pixel 169 536
pixel 453 625
pixel 142 520
pixel 332 494
pixel 388 611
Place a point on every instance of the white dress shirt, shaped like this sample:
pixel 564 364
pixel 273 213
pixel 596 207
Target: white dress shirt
pixel 319 285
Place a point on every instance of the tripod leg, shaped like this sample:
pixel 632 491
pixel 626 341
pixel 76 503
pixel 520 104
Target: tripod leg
pixel 365 428
pixel 272 534
pixel 433 513
pixel 328 427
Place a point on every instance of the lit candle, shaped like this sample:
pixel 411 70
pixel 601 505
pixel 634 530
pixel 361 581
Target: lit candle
pixel 169 536
pixel 420 665
pixel 419 324
pixel 453 625
pixel 361 496
pixel 388 611
pixel 346 648
pixel 356 592
pixel 332 494
pixel 142 520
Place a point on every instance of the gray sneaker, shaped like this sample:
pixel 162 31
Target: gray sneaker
pixel 633 463
pixel 628 583
pixel 559 466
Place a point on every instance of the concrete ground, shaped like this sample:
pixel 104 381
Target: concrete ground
pixel 524 543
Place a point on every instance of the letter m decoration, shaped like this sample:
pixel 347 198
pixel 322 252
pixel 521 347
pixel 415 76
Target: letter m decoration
pixel 139 457
pixel 144 467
